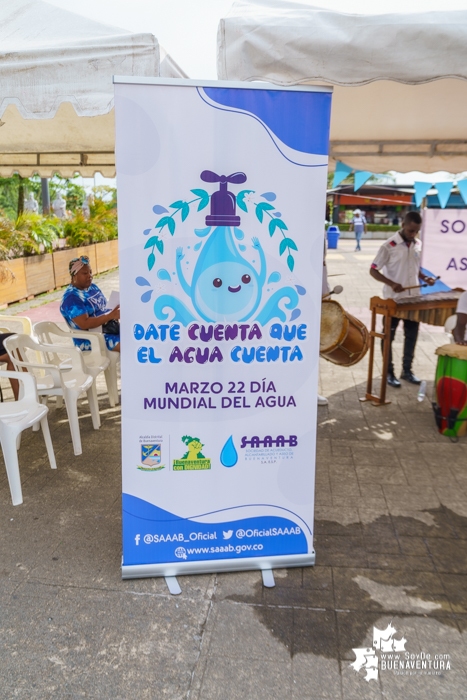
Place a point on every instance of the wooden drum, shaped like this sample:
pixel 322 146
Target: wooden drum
pixel 344 340
pixel 451 390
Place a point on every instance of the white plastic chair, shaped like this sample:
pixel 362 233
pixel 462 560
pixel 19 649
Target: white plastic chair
pixel 69 380
pixel 46 328
pixel 96 359
pixel 23 321
pixel 16 416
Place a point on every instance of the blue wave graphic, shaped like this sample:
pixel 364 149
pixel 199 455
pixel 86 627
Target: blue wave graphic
pixel 301 120
pixel 152 535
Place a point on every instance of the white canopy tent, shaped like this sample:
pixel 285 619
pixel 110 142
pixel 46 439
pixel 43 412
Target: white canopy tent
pixel 56 91
pixel 400 80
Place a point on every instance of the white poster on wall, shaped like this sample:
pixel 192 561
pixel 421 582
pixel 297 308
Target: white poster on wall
pixel 221 197
pixel 444 251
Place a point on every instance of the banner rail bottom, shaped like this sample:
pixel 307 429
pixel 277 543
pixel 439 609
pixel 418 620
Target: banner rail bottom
pixel 217 566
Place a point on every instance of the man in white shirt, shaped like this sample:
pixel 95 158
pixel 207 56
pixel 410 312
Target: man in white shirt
pixel 460 331
pixel 397 265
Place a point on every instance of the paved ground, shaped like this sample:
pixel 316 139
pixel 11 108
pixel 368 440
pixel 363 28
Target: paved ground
pixel 391 542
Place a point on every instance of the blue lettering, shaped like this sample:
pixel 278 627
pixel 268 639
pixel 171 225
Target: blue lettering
pixel 151 333
pixel 175 332
pixel 163 331
pixel 272 353
pixel 289 333
pixel 138 331
pixel 276 331
pixel 142 355
pixel 152 357
pixel 296 353
pixel 234 353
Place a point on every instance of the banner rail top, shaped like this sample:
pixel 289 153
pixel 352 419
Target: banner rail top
pixel 182 82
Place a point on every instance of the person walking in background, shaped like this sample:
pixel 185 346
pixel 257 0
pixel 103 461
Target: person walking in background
pixel 359 226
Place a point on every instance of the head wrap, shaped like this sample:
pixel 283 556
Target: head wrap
pixel 76 264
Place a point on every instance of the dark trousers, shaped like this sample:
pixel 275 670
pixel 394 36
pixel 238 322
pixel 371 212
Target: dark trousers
pixel 410 339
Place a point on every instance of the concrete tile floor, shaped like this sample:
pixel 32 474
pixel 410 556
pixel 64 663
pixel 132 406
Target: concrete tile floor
pixel 391 543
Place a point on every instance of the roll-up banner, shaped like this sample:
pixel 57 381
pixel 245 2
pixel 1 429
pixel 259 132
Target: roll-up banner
pixel 444 250
pixel 221 203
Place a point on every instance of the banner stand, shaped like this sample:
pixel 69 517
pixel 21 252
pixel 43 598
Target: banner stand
pixel 174 586
pixel 221 192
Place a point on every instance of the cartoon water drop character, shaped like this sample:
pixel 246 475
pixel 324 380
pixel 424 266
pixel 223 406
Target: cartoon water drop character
pixel 224 286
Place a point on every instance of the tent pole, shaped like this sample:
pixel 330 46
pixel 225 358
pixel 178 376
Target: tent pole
pixel 45 196
pixel 20 196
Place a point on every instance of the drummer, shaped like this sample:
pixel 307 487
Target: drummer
pixel 460 331
pixel 397 265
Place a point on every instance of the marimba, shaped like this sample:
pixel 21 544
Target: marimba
pixel 434 309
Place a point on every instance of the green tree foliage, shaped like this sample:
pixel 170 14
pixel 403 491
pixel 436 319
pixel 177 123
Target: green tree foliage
pixel 30 234
pixel 9 189
pixel 101 225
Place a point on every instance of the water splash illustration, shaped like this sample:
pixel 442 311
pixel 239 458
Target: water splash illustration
pixel 274 277
pixel 202 232
pixel 164 275
pixel 295 314
pixel 229 456
pixel 146 296
pixel 272 309
pixel 142 282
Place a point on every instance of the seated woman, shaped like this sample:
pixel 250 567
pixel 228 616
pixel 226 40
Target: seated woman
pixel 4 357
pixel 84 307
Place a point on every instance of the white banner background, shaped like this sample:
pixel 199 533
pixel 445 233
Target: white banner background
pixel 211 485
pixel 444 250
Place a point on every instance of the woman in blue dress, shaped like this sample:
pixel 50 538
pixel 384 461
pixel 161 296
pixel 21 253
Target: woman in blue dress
pixel 84 307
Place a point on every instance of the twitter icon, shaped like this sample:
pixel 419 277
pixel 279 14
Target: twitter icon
pixel 227 535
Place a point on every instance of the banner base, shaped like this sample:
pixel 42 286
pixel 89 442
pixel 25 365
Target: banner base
pixel 217 566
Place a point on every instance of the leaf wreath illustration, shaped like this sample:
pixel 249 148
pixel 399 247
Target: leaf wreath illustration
pixel 203 198
pixel 275 222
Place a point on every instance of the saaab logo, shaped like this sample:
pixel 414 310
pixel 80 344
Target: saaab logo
pixel 394 657
pixel 193 459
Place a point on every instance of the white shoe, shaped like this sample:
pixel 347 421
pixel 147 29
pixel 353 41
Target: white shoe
pixel 322 401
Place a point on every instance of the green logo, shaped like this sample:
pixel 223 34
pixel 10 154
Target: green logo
pixel 193 459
